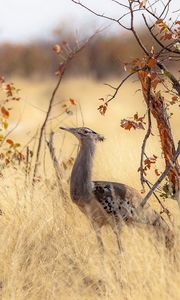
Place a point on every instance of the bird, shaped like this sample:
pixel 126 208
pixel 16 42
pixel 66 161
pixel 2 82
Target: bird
pixel 105 202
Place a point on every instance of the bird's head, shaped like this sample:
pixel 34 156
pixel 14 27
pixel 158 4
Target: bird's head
pixel 85 134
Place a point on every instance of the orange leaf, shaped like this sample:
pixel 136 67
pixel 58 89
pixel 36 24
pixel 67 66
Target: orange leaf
pixel 10 142
pixel 5 112
pixel 156 172
pixel 174 98
pixel 151 62
pixel 72 101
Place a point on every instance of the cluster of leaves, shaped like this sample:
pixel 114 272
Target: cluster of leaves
pixel 9 149
pixel 136 123
pixel 102 108
pixel 168 33
pixel 148 163
pixel 67 106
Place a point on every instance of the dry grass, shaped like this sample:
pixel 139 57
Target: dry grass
pixel 48 248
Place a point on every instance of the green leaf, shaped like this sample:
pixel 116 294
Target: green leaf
pixel 5 125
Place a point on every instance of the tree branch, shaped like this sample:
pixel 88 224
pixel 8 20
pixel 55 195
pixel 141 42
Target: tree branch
pixel 163 175
pixel 134 31
pixel 100 15
pixel 148 132
pixel 118 87
pixel 175 82
pixel 156 39
pixel 55 161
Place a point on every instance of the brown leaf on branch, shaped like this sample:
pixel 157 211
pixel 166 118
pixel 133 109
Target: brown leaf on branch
pixel 151 62
pixel 128 124
pixel 4 112
pixel 10 142
pixel 166 36
pixel 56 48
pixel 157 172
pixel 174 100
pixel 102 109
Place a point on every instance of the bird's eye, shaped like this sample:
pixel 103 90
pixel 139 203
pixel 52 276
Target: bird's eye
pixel 86 131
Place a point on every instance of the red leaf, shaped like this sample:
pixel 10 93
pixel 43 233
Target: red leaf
pixel 4 112
pixel 174 98
pixel 126 124
pixel 72 101
pixel 10 142
pixel 151 62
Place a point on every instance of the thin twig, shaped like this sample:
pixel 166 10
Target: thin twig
pixel 55 161
pixel 118 87
pixel 163 175
pixel 148 132
pixel 51 101
pixel 139 41
pixel 175 82
pixel 119 3
pixel 100 15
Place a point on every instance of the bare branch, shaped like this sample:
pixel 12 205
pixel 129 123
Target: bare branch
pixel 100 15
pixel 134 31
pixel 166 7
pixel 175 82
pixel 119 3
pixel 163 175
pixel 148 132
pixel 55 161
pixel 118 87
pixel 164 209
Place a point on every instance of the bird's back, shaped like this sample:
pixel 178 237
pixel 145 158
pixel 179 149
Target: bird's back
pixel 116 198
pixel 122 201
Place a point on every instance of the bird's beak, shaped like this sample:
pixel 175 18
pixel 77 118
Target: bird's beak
pixel 66 129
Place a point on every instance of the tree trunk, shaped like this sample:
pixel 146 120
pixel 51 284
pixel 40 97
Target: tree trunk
pixel 158 110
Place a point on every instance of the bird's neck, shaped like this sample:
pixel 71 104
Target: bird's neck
pixel 81 185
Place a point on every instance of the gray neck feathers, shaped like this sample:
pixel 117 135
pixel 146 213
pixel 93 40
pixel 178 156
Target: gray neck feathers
pixel 81 185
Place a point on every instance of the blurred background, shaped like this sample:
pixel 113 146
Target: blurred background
pixel 28 30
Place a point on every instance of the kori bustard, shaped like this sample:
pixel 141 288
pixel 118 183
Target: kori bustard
pixel 107 202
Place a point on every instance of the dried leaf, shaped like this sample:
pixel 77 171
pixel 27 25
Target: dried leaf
pixel 10 142
pixel 57 48
pixel 72 101
pixel 102 109
pixel 157 172
pixel 4 112
pixel 152 62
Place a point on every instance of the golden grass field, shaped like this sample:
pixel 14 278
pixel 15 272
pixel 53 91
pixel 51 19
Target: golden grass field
pixel 48 248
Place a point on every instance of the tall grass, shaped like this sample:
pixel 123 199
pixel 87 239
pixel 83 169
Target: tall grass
pixel 48 247
pixel 49 251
